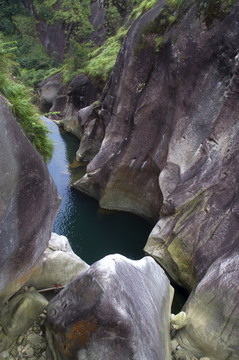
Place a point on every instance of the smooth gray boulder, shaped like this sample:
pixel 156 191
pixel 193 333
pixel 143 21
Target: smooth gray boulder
pixel 117 309
pixel 212 313
pixel 29 203
pixel 59 265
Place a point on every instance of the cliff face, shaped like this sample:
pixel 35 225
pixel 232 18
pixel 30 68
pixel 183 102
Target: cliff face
pixel 169 152
pixel 132 151
pixel 159 108
pixel 29 203
pixel 55 35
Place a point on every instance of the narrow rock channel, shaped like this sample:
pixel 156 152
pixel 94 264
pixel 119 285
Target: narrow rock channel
pixel 92 232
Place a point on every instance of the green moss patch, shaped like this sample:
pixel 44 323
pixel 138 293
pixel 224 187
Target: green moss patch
pixel 213 9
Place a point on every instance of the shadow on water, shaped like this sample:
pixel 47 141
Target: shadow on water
pixel 91 232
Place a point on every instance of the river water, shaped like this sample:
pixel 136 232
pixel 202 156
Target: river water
pixel 92 232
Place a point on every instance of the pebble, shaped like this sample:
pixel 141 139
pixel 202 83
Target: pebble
pixel 20 340
pixel 34 339
pixel 4 355
pixel 14 352
pixel 33 345
pixel 29 346
pixel 30 352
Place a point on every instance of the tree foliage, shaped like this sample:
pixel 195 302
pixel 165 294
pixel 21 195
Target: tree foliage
pixel 19 97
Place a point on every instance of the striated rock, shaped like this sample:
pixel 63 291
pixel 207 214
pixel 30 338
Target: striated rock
pixel 204 223
pixel 97 19
pixel 113 310
pixel 162 105
pixel 59 265
pixel 29 202
pixel 19 315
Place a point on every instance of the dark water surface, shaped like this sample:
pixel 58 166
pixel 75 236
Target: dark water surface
pixel 91 232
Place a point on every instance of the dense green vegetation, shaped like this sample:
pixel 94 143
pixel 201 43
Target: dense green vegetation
pixel 16 24
pixel 32 63
pixel 20 103
pixel 81 55
pixel 213 9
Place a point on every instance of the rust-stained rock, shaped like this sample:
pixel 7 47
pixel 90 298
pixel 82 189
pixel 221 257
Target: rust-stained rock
pixel 113 310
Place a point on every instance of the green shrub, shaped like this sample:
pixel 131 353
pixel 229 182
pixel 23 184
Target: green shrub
pixel 7 10
pixel 24 24
pixel 144 6
pixel 103 59
pixel 21 106
pixel 113 19
pixel 213 9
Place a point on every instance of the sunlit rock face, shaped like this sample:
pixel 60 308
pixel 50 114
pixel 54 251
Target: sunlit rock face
pixel 198 221
pixel 59 265
pixel 113 310
pixel 28 205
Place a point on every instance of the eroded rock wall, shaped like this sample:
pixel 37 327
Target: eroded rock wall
pixel 169 152
pixel 133 150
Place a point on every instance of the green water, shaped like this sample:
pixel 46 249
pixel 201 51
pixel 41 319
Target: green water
pixel 91 232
